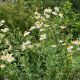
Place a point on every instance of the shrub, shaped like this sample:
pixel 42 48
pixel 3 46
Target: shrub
pixel 38 43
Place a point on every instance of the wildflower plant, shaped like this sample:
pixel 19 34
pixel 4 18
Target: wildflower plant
pixel 36 44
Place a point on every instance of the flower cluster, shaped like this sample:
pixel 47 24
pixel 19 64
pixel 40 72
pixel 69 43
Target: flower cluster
pixel 41 24
pixel 26 44
pixel 2 66
pixel 2 22
pixel 7 57
pixel 5 30
pixel 42 37
pixel 47 12
pixel 69 48
pixel 56 12
pixel 74 43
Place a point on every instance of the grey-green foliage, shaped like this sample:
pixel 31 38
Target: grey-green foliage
pixel 11 1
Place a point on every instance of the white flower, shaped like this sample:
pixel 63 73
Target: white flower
pixel 38 24
pixel 2 22
pixel 25 45
pixel 3 57
pixel 76 42
pixel 56 9
pixel 61 41
pixel 42 29
pixel 5 30
pixel 61 15
pixel 30 46
pixel 32 28
pixel 54 13
pixel 2 66
pixel 53 46
pixel 46 25
pixel 47 15
pixel 27 42
pixel 26 33
pixel 9 57
pixel 42 37
pixel 47 10
pixel 69 48
pixel 62 27
pixel 37 15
